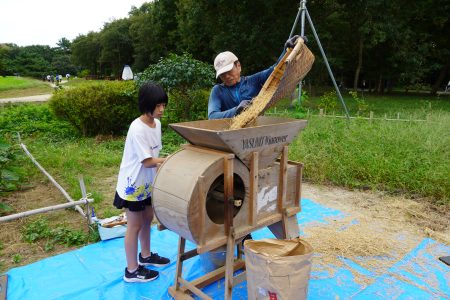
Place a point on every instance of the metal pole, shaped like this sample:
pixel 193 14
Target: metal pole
pixel 296 21
pixel 45 209
pixel 302 33
pixel 326 63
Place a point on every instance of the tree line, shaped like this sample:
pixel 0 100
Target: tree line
pixel 375 44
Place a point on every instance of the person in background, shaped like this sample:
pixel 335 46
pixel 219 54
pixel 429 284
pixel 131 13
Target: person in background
pixel 134 186
pixel 235 92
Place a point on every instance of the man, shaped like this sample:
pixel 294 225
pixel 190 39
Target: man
pixel 236 92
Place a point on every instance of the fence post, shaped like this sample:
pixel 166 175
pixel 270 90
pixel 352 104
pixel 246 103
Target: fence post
pixel 371 116
pixel 321 112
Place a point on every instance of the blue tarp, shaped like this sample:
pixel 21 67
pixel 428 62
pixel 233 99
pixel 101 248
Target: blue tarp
pixel 95 271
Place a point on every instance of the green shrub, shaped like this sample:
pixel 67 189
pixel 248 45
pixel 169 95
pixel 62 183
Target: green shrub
pixel 40 229
pixel 103 108
pixel 189 106
pixel 184 78
pixel 328 101
pixel 32 119
pixel 361 104
pixel 10 175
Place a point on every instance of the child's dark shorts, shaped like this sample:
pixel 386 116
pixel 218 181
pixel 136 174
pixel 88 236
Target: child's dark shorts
pixel 131 205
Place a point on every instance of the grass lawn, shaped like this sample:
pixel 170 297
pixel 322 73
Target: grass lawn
pixel 405 106
pixel 12 87
pixel 405 157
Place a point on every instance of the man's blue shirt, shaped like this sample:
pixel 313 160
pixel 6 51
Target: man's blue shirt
pixel 224 100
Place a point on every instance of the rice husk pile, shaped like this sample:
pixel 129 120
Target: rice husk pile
pixel 378 232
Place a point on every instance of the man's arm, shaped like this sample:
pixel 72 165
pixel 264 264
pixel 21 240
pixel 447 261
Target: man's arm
pixel 215 107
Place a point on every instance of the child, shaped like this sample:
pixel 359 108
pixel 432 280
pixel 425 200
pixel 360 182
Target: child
pixel 136 175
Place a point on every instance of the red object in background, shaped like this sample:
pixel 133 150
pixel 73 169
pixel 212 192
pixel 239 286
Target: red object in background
pixel 272 296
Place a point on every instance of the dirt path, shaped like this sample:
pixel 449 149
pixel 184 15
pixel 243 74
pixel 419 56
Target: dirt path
pixel 37 98
pixel 381 219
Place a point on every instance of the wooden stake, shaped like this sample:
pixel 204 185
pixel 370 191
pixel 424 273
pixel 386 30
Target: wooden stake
pixel 84 195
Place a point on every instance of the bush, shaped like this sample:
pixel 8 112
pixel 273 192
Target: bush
pixel 189 106
pixel 83 73
pixel 102 108
pixel 31 119
pixel 184 78
pixel 328 101
pixel 10 175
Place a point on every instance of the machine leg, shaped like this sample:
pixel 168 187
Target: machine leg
pixel 179 269
pixel 229 265
pixel 285 229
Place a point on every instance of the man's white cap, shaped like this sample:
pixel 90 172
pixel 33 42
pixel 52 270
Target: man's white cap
pixel 224 62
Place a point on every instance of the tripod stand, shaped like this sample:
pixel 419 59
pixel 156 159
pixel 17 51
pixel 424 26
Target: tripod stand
pixel 302 13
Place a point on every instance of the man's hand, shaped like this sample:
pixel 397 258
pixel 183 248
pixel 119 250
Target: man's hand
pixel 243 105
pixel 290 43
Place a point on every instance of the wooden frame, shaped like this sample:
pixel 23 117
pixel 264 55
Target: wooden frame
pixel 182 288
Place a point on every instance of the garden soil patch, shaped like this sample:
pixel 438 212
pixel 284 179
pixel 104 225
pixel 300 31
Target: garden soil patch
pixel 389 226
pixel 14 251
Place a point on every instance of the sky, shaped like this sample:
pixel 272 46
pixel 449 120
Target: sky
pixel 45 22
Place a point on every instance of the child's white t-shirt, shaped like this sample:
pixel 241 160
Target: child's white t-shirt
pixel 135 181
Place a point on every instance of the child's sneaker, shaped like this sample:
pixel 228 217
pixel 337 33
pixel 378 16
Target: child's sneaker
pixel 154 259
pixel 141 274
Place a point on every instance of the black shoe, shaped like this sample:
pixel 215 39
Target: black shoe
pixel 154 259
pixel 140 275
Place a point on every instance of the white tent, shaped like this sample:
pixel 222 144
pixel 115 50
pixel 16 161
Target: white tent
pixel 127 74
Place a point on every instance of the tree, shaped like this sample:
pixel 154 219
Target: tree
pixel 142 35
pixel 5 59
pixel 154 32
pixel 184 77
pixel 117 49
pixel 255 30
pixel 63 65
pixel 86 51
pixel 64 45
pixel 34 61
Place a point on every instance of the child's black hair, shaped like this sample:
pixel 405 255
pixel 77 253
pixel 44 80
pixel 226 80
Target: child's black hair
pixel 151 94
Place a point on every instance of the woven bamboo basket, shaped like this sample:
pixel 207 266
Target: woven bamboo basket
pixel 289 71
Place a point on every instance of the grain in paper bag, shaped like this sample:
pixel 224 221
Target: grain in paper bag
pixel 278 269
